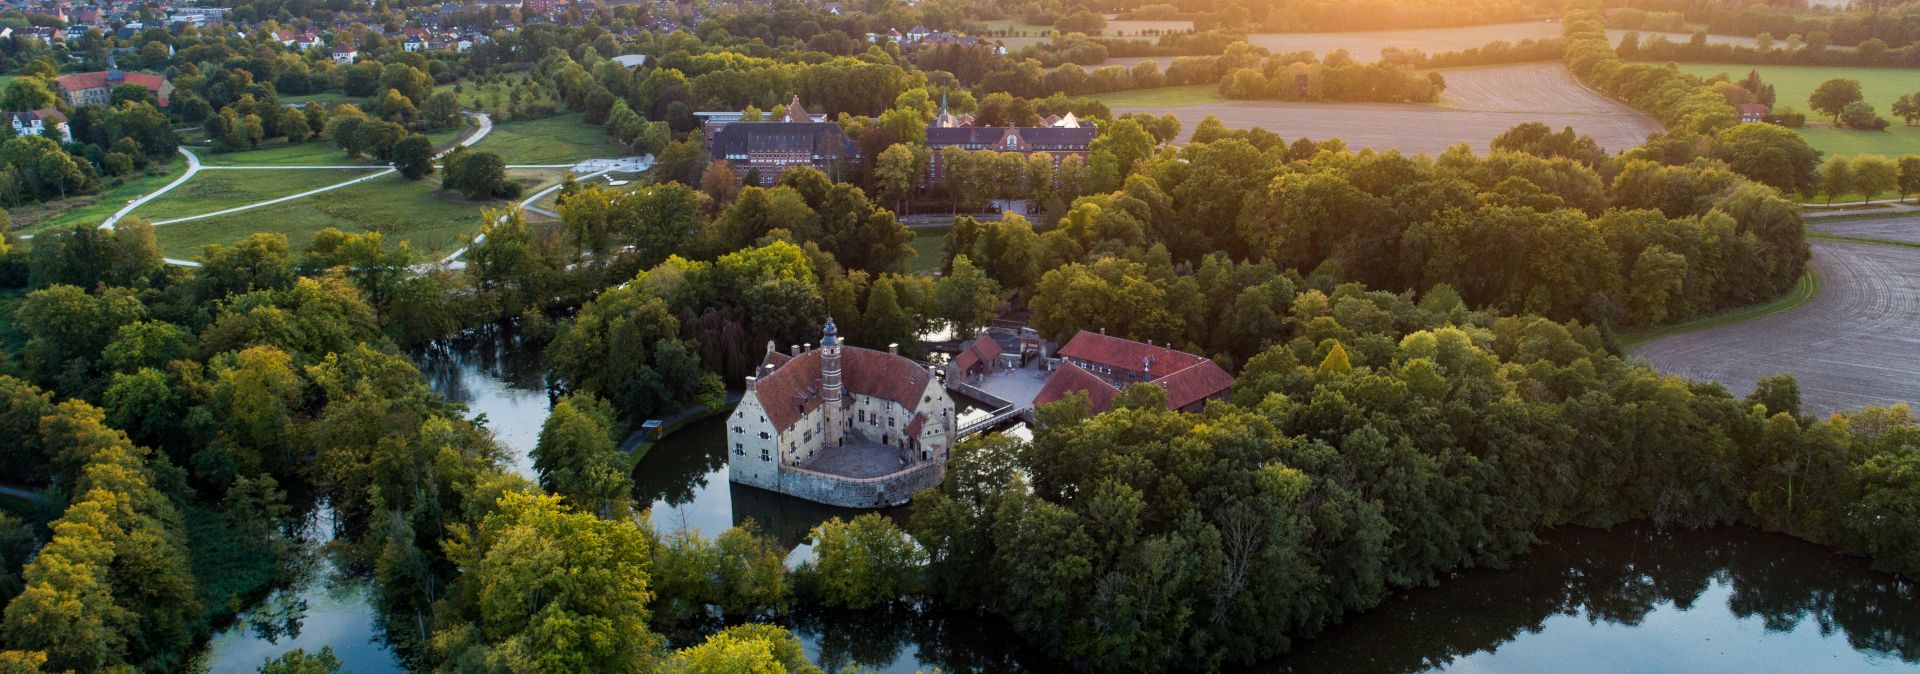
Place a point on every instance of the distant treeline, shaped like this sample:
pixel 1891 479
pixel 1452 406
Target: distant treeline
pixel 1843 27
pixel 1792 52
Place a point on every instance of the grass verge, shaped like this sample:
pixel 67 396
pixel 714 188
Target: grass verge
pixel 1807 288
pixel 1822 236
pixel 929 250
pixel 92 208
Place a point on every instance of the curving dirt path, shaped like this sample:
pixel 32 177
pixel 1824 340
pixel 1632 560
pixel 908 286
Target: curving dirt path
pixel 1856 344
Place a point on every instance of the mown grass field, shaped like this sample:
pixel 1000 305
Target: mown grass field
pixel 93 208
pixel 554 140
pixel 929 248
pixel 1793 84
pixel 418 212
pixel 211 191
pixel 1189 94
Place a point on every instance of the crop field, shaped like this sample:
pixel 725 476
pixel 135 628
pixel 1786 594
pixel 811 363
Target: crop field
pixel 93 208
pixel 1489 101
pixel 1793 84
pixel 1852 345
pixel 211 191
pixel 554 140
pixel 417 212
pixel 1904 230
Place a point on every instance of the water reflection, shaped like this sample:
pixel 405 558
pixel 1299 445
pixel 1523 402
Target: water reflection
pixel 317 606
pixel 497 376
pixel 1638 600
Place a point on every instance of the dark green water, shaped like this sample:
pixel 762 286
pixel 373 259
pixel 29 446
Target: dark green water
pixel 1631 600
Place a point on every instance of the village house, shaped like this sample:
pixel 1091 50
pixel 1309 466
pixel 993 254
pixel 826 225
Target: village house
pixel 44 122
pixel 842 425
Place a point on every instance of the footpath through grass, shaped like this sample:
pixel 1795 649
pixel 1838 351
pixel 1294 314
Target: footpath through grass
pixel 211 191
pixel 1803 291
pixel 418 212
pixel 1792 86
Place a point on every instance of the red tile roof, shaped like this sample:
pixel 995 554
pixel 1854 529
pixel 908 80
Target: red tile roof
pixel 1070 378
pixel 98 79
pixel 1194 384
pixel 982 349
pixel 793 388
pixel 1126 354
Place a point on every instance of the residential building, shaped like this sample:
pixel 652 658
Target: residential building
pixel 1752 112
pixel 43 122
pixel 344 54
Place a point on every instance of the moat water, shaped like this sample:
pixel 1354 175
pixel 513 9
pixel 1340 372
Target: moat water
pixel 1630 600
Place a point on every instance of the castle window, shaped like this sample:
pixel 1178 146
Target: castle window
pixel 739 449
pixel 763 435
pixel 764 456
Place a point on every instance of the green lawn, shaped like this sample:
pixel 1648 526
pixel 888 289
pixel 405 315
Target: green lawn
pixel 94 208
pixel 414 211
pixel 555 140
pixel 310 153
pixel 929 248
pixel 1794 84
pixel 211 191
pixel 1163 97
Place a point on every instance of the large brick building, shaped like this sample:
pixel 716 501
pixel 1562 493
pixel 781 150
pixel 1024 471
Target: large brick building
pixel 767 149
pixel 96 88
pixel 1061 138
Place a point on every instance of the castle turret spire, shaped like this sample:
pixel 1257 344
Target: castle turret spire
pixel 831 388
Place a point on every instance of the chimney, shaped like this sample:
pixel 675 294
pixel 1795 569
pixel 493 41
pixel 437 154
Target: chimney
pixel 751 381
pixel 794 350
pixel 894 348
pixel 806 346
pixel 771 347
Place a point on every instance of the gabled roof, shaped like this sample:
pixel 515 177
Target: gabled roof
pixel 796 113
pixel 101 78
pixel 822 138
pixel 983 349
pixel 793 388
pixel 1194 384
pixel 1069 378
pixel 1127 354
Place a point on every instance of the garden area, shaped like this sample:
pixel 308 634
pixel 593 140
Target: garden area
pixel 1794 84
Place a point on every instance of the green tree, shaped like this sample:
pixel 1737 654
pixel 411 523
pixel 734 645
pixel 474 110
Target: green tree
pixel 759 649
pixel 860 564
pixel 576 456
pixel 1836 177
pixel 966 297
pixel 1909 180
pixel 1770 154
pixel 413 156
pixel 1833 96
pixel 553 591
pixel 1874 175
pixel 27 93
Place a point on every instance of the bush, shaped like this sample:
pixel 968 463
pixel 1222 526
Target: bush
pixel 1860 115
pixel 1789 117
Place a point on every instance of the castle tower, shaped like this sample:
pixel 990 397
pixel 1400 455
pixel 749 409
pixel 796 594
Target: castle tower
pixel 830 385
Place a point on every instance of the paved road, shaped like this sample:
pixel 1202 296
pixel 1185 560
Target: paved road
pixel 1857 343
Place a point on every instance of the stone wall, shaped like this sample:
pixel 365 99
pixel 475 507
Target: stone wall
pixel 877 492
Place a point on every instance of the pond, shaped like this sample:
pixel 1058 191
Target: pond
pixel 1635 599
